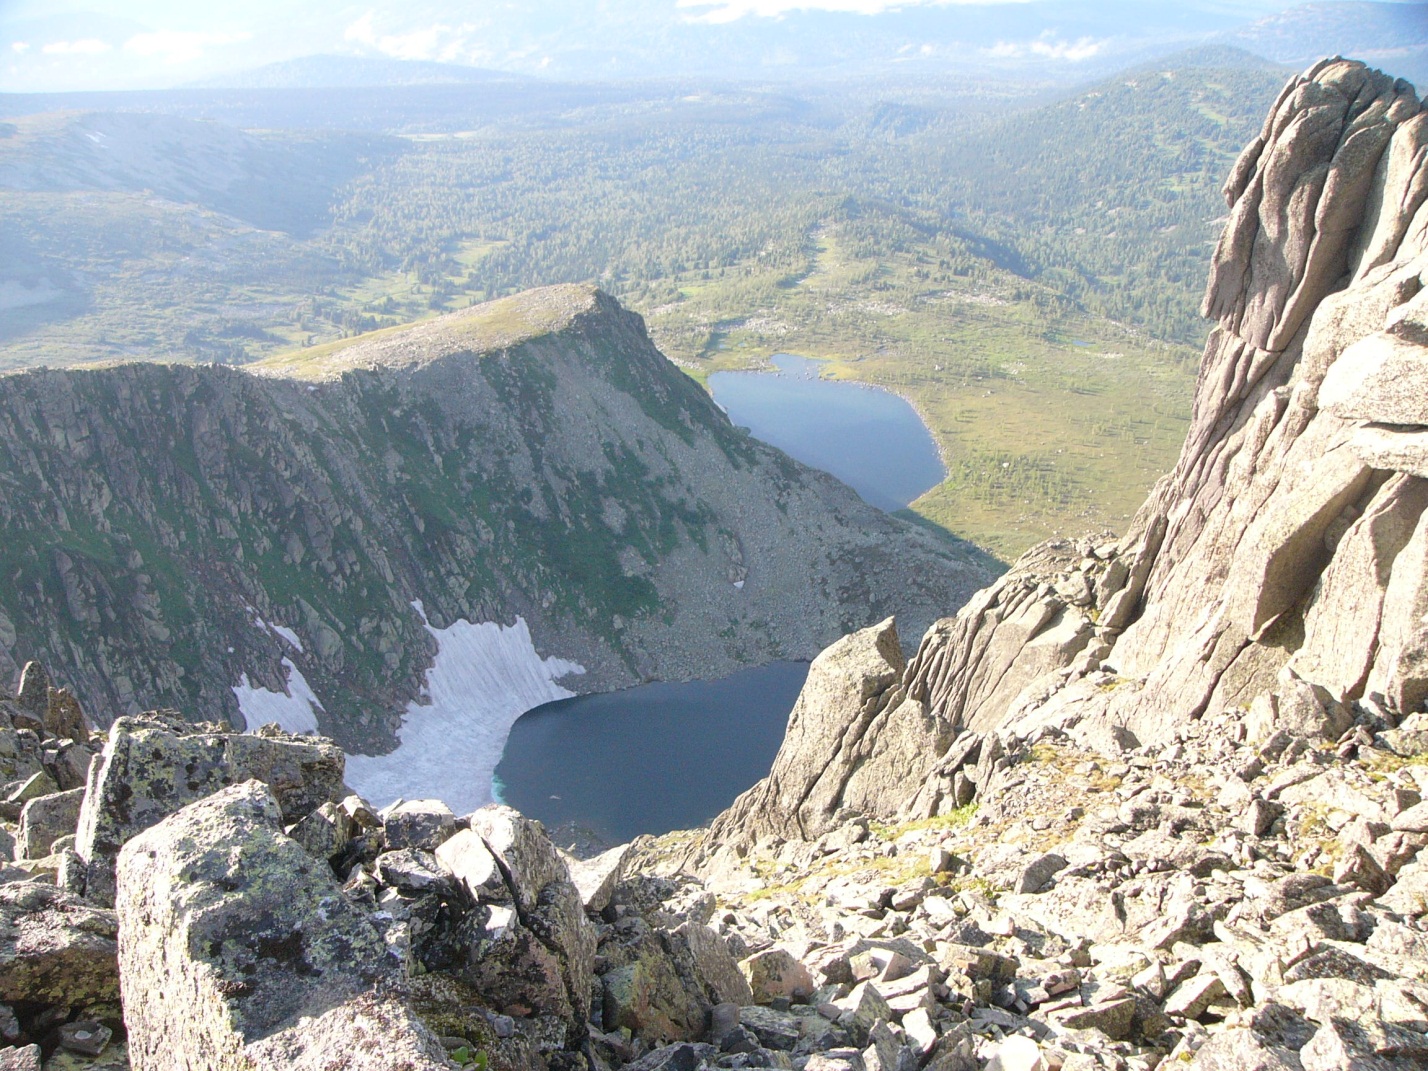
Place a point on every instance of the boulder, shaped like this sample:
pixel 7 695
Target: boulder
pixel 1035 874
pixel 64 718
pixel 546 904
pixel 648 998
pixel 152 766
pixel 713 966
pixel 597 878
pixel 33 694
pixel 55 948
pixel 31 788
pixel 420 824
pixel 20 1059
pixel 236 944
pixel 466 857
pixel 1243 1050
pixel 1016 1054
pixel 774 973
pixel 45 819
pixel 325 833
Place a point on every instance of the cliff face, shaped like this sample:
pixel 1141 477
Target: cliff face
pixel 302 537
pixel 1277 573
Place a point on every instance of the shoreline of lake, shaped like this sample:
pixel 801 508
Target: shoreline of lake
pixel 826 427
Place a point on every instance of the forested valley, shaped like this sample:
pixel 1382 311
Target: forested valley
pixel 1025 267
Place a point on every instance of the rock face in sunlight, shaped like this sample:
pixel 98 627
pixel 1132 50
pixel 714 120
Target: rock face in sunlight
pixel 1277 574
pixel 1158 796
pixel 316 541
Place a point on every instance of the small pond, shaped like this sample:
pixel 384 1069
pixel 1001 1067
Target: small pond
pixel 869 438
pixel 648 759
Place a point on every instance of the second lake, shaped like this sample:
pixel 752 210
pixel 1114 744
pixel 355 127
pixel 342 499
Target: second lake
pixel 648 759
pixel 869 438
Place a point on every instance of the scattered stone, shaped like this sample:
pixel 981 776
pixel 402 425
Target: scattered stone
pixel 85 1037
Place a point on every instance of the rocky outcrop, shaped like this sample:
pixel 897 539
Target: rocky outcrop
pixel 200 537
pixel 238 949
pixel 823 748
pixel 1278 571
pixel 1211 904
pixel 56 950
pixel 154 765
pixel 1157 800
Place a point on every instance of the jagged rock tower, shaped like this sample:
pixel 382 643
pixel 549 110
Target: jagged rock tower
pixel 1278 570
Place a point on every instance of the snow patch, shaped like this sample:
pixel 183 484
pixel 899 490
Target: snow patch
pixel 295 711
pixel 289 635
pixel 277 630
pixel 485 676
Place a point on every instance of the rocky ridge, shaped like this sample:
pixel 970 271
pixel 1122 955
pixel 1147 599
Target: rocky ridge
pixel 178 534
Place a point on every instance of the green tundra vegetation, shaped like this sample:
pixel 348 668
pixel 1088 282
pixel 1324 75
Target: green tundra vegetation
pixel 1027 274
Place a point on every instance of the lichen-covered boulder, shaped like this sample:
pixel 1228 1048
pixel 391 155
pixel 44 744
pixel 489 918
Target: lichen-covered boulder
pixel 238 948
pixel 546 901
pixel 45 819
pixel 420 824
pixel 54 948
pixel 155 765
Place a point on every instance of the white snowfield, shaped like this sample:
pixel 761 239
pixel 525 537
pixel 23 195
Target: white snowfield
pixel 485 676
pixel 295 712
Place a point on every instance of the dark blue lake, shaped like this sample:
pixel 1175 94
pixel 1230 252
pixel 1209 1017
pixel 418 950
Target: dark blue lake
pixel 648 759
pixel 869 438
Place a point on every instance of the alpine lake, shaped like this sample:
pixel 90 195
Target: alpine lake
pixel 603 769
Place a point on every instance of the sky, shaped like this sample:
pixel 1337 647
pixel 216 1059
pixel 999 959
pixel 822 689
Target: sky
pixel 58 45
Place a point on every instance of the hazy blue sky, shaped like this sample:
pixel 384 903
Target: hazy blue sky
pixel 48 45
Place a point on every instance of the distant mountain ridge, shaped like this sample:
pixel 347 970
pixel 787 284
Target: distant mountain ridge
pixel 1393 35
pixel 341 72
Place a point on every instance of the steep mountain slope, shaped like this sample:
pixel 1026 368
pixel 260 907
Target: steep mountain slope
pixel 1276 576
pixel 300 540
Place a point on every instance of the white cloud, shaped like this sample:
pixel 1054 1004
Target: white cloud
pixel 731 10
pixel 90 46
pixel 180 46
pixel 440 42
pixel 1083 48
pixel 19 47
